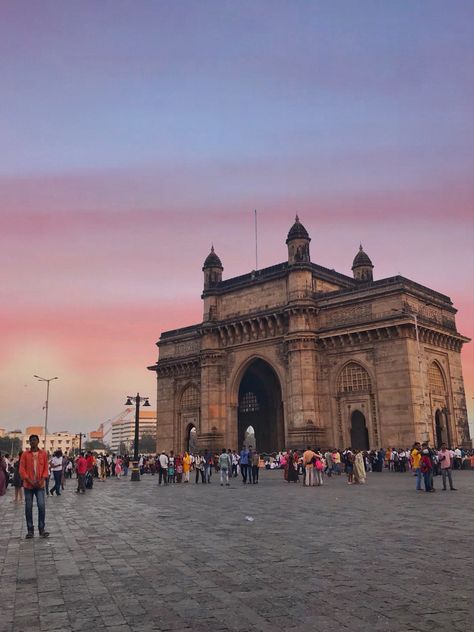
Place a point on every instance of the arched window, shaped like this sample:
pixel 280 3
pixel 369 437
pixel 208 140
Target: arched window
pixel 436 379
pixel 249 403
pixel 353 378
pixel 190 398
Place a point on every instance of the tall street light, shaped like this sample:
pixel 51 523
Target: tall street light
pixel 80 435
pixel 135 469
pixel 46 407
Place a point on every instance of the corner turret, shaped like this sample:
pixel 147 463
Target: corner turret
pixel 298 243
pixel 362 266
pixel 212 270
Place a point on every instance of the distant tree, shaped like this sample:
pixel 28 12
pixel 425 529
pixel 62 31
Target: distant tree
pixel 10 445
pixel 147 444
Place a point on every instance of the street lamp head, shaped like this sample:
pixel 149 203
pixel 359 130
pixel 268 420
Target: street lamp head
pixel 147 403
pixel 128 402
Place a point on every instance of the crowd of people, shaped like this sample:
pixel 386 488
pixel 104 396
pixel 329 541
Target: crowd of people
pixel 29 473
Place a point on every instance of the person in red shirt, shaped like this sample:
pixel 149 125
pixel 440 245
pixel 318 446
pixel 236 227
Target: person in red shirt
pixel 33 472
pixel 427 469
pixel 81 469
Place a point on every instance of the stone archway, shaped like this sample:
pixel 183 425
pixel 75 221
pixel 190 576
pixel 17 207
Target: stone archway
pixel 260 406
pixel 359 432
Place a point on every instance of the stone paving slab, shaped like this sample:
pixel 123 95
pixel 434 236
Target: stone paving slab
pixel 137 557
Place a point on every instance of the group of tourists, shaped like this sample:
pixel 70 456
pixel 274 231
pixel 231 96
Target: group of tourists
pixel 228 463
pixel 30 471
pixel 424 462
pixel 313 465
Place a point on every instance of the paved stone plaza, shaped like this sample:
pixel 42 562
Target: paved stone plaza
pixel 132 556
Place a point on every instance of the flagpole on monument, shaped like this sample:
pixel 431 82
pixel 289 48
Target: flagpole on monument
pixel 256 241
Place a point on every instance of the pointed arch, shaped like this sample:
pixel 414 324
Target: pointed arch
pixel 240 371
pixel 190 397
pixel 436 379
pixel 353 378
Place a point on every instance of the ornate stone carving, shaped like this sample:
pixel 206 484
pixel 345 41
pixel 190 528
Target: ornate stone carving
pixel 282 353
pixel 187 347
pixel 352 314
pixel 230 363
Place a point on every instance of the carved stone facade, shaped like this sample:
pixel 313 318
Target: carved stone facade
pixel 304 354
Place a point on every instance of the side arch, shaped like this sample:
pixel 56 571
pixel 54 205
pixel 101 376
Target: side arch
pixel 354 391
pixel 188 406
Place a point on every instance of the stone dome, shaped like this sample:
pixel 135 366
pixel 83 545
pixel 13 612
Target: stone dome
pixel 212 260
pixel 297 231
pixel 361 259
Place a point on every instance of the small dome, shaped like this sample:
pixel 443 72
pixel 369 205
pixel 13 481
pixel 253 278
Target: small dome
pixel 361 259
pixel 297 231
pixel 212 260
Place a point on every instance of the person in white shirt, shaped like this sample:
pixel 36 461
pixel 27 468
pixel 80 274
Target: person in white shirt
pixel 163 473
pixel 56 465
pixel 457 459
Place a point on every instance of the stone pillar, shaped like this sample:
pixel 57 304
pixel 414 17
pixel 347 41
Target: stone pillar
pixel 165 413
pixel 303 419
pixel 457 419
pixel 213 417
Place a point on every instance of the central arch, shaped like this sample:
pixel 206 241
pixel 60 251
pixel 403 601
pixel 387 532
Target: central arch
pixel 260 407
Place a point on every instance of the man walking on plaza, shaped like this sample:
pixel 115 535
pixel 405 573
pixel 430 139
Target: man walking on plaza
pixel 81 469
pixel 416 464
pixel 244 464
pixel 57 470
pixel 308 463
pixel 225 465
pixel 255 464
pixel 163 471
pixel 33 471
pixel 446 460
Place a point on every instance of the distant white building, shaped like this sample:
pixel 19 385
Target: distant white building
pixel 63 440
pixel 123 428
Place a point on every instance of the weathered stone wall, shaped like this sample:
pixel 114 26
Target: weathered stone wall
pixel 259 297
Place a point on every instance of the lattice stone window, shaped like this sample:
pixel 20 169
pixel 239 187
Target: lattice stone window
pixel 249 403
pixel 437 385
pixel 190 398
pixel 353 378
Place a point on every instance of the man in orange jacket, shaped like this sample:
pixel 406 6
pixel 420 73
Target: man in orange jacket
pixel 33 471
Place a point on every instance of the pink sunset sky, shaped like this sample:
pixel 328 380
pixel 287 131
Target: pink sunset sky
pixel 134 135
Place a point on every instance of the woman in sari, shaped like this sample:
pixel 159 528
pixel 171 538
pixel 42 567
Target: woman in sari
pixel 359 468
pixel 292 469
pixel 3 475
pixel 186 467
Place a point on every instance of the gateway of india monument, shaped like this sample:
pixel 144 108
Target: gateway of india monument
pixel 298 354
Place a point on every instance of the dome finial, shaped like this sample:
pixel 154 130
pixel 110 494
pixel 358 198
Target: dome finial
pixel 297 219
pixel 212 260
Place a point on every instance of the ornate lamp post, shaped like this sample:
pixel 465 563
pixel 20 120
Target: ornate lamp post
pixel 46 406
pixel 138 400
